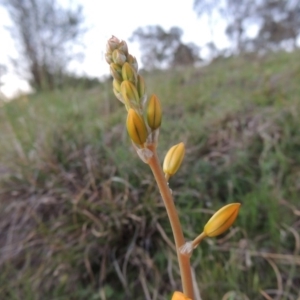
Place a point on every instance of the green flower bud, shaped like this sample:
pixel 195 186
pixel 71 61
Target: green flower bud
pixel 118 95
pixel 116 71
pixel 117 85
pixel 118 57
pixel 128 73
pixel 129 94
pixel 141 88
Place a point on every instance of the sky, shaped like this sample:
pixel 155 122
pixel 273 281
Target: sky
pixel 119 18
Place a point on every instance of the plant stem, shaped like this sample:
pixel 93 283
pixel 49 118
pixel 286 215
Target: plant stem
pixel 198 239
pixel 184 260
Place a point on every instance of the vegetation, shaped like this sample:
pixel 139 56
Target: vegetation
pixel 48 36
pixel 276 23
pixel 164 49
pixel 81 217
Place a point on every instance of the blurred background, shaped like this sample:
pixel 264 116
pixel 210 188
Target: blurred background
pixel 80 214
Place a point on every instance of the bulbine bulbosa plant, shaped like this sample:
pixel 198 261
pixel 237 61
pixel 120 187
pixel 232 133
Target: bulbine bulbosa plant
pixel 144 117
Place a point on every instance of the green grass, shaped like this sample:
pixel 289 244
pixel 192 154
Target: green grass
pixel 81 216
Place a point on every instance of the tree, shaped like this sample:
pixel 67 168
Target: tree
pixel 235 12
pixel 163 49
pixel 280 24
pixel 278 21
pixel 45 33
pixel 185 54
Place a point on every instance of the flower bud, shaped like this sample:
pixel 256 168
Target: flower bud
pixel 180 296
pixel 136 127
pixel 129 94
pixel 154 113
pixel 222 220
pixel 128 73
pixel 117 85
pixel 141 88
pixel 118 95
pixel 117 90
pixel 108 58
pixel 123 47
pixel 115 71
pixel 173 159
pixel 132 61
pixel 118 57
pixel 112 44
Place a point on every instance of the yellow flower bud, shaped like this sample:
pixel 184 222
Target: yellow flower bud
pixel 222 220
pixel 117 90
pixel 118 95
pixel 180 296
pixel 118 57
pixel 128 73
pixel 117 85
pixel 115 71
pixel 141 88
pixel 136 127
pixel 154 113
pixel 129 94
pixel 173 159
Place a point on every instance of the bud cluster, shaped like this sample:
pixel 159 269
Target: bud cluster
pixel 129 88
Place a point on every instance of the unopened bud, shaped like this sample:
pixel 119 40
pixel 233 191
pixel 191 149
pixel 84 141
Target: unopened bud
pixel 180 296
pixel 108 58
pixel 118 95
pixel 133 62
pixel 112 44
pixel 141 88
pixel 117 85
pixel 118 57
pixel 129 94
pixel 136 127
pixel 123 47
pixel 116 71
pixel 128 73
pixel 173 159
pixel 222 220
pixel 154 113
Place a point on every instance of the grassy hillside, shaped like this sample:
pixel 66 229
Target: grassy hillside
pixel 81 217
